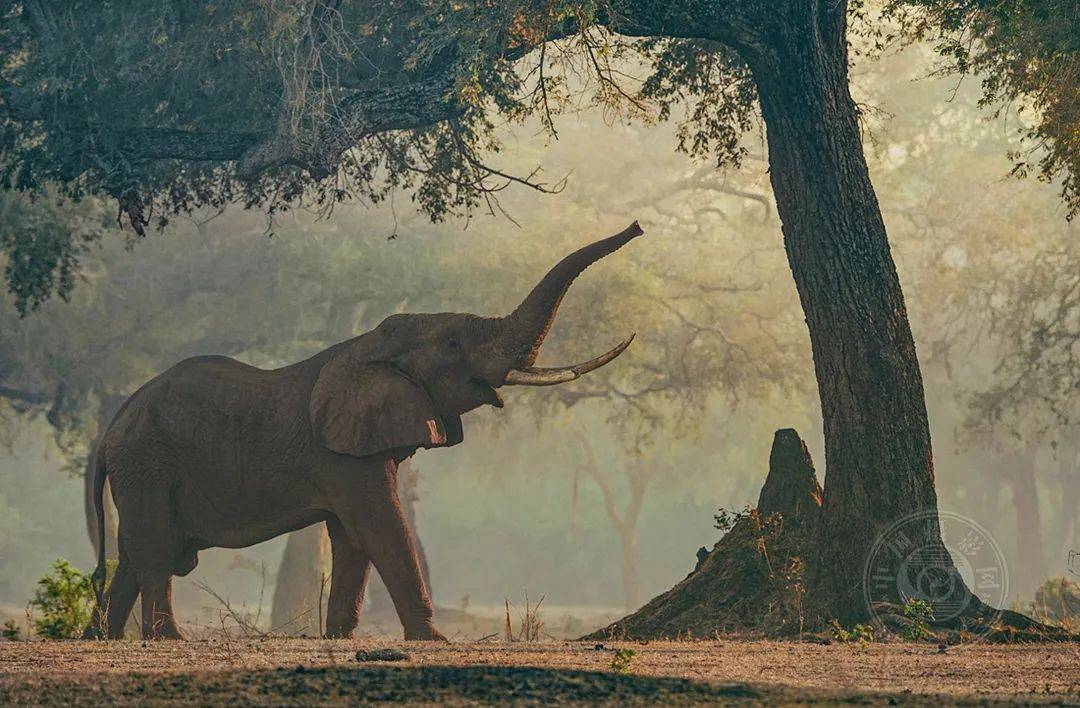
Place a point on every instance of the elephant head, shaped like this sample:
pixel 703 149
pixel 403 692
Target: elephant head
pixel 405 384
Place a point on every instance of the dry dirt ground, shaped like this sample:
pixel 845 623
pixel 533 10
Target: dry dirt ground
pixel 311 671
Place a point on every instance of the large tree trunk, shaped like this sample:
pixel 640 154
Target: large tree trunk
pixel 877 440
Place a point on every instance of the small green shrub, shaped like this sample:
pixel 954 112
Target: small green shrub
pixel 918 614
pixel 11 631
pixel 65 599
pixel 839 634
pixel 620 663
pixel 862 633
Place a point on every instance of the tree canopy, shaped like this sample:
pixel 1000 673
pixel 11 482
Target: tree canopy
pixel 168 107
pixel 1026 53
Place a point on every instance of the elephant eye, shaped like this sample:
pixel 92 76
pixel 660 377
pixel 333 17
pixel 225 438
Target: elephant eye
pixel 453 345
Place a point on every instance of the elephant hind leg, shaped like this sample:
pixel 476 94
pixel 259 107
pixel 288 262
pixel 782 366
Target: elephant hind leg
pixel 123 590
pixel 351 567
pixel 158 621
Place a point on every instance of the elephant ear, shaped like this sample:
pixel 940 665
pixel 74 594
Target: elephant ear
pixel 362 408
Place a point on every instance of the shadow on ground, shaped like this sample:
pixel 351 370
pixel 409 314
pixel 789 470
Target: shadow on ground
pixel 446 685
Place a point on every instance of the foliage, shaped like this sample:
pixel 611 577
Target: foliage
pixel 1026 54
pixel 11 632
pixel 725 519
pixel 861 633
pixel 65 599
pixel 624 657
pixel 271 95
pixel 282 104
pixel 42 241
pixel 918 614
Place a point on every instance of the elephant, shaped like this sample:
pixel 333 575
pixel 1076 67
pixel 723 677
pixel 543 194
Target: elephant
pixel 216 453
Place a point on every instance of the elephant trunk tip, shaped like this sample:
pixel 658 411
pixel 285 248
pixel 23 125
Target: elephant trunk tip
pixel 531 321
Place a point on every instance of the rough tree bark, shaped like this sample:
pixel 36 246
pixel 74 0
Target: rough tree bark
pixel 877 439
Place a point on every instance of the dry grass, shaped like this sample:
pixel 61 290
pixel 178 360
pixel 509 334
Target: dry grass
pixel 264 670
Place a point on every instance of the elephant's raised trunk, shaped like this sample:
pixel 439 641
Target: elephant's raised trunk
pixel 530 322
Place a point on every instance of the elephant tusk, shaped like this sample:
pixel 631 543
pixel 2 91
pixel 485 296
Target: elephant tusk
pixel 534 376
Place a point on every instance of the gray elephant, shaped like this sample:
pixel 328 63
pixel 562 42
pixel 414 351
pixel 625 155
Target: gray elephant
pixel 216 453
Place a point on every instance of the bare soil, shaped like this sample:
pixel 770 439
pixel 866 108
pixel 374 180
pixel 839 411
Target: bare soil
pixel 311 671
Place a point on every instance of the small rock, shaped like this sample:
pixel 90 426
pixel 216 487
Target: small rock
pixel 381 655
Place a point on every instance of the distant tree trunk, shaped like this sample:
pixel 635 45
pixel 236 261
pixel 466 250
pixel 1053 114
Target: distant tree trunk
pixel 1030 556
pixel 305 564
pixel 989 487
pixel 628 566
pixel 877 439
pixel 1068 478
pixel 638 475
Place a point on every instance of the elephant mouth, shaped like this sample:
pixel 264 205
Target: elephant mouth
pixel 488 393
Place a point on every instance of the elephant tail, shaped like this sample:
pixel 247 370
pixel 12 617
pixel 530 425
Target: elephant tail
pixel 98 578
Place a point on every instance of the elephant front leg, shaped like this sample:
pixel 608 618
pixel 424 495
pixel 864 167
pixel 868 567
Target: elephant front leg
pixel 351 567
pixel 380 529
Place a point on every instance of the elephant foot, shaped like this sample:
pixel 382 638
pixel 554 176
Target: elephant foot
pixel 339 633
pixel 164 630
pixel 166 636
pixel 424 633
